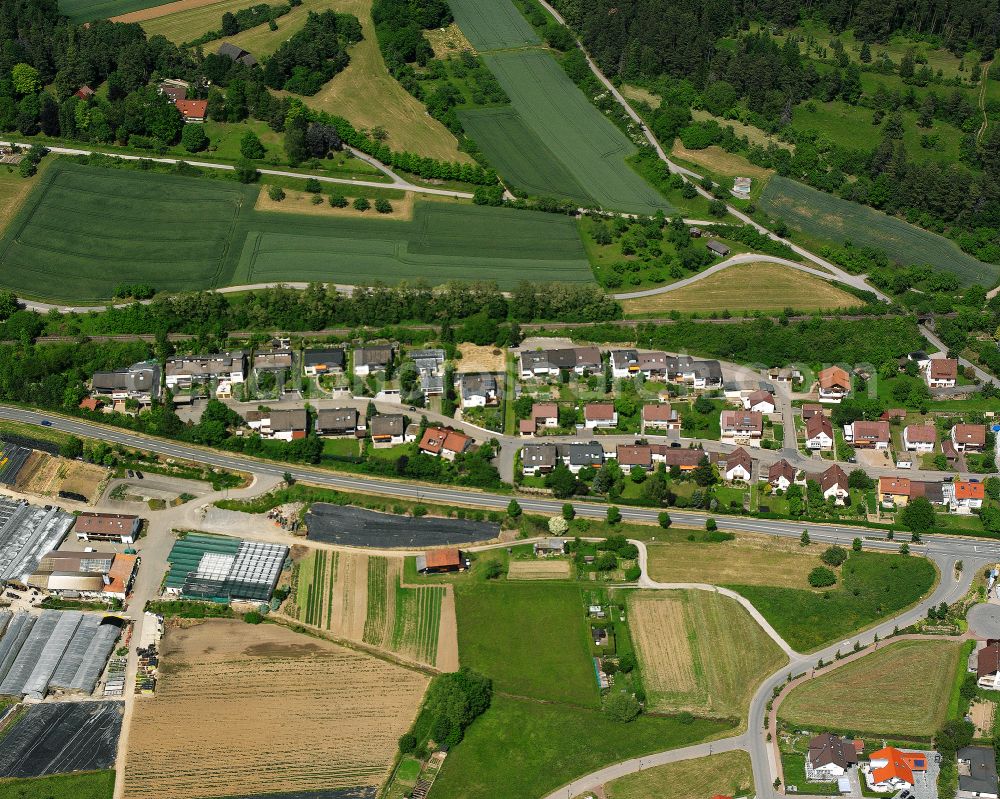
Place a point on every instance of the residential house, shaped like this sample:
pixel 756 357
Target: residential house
pixel 977 772
pixel 174 90
pixel 868 435
pixel 964 496
pixel 660 417
pixel 283 424
pixel 323 362
pixel 738 466
pixel 550 546
pixel 760 401
pixel 919 437
pixel 894 492
pixel 833 483
pixel 834 384
pixel 819 433
pixel 988 666
pixel 436 561
pixel 830 757
pixel 919 357
pixel 538 458
pixel 810 409
pixel 548 363
pixel 892 769
pixel 368 360
pixel 580 454
pixel 193 111
pixel 117 528
pixel 90 404
pixel 337 421
pixel 786 375
pixel 599 414
pixel 781 475
pixel 444 442
pixel 387 430
pixel 941 373
pixel 545 414
pixel 184 371
pixel 630 456
pixel 741 427
pixel 684 459
pixel 697 374
pixel 479 390
pixel 235 53
pixel 84 93
pixel 140 381
pixel 628 363
pixel 717 248
pixel 91 575
pixel 969 437
pixel 274 360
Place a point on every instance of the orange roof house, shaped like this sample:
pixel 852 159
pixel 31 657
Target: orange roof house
pixel 834 377
pixel 441 441
pixel 965 489
pixel 90 403
pixel 893 767
pixel 193 110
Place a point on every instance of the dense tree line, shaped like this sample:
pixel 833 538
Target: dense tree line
pixel 245 19
pixel 313 55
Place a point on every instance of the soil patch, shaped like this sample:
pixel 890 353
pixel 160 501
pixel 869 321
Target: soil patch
pixel 538 570
pixel 358 527
pixel 302 203
pixel 480 359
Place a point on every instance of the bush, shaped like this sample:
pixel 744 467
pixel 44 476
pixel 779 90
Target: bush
pixel 276 193
pixel 614 515
pixel 633 573
pixel 492 569
pixel 383 206
pixel 821 577
pixel 558 525
pixel 710 525
pixel 313 186
pixel 253 617
pixel 193 138
pixel 622 707
pixel 834 556
pixel 664 520
pixel 361 204
pixel 626 662
pixel 407 742
pixel 338 200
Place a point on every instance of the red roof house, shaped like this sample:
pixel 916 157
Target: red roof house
pixel 193 110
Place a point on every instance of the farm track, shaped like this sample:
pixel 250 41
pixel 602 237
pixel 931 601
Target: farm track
pixel 982 102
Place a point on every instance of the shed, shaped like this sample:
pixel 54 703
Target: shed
pixel 718 248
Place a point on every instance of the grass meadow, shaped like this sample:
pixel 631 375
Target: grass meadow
pixel 870 587
pixel 914 702
pixel 544 746
pixel 725 774
pixel 827 217
pixel 81 785
pixel 530 638
pixel 93 228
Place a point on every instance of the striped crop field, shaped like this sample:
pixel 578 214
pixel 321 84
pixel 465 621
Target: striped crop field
pixel 362 598
pixel 84 230
pixel 493 25
pixel 826 217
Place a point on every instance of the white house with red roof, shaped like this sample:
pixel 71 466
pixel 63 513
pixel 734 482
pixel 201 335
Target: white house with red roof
pixel 819 433
pixel 760 401
pixel 889 770
pixel 964 496
pixel 599 414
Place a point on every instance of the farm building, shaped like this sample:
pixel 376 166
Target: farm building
pixel 26 533
pixel 435 561
pixel 117 527
pixel 717 248
pixel 236 54
pixel 220 569
pixel 66 650
pixel 96 575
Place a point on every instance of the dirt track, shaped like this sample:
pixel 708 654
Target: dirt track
pixel 162 11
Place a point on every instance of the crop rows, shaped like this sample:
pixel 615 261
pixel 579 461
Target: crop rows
pixel 375 621
pixel 417 621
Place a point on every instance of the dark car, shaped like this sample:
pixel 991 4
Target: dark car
pixel 138 475
pixel 46 423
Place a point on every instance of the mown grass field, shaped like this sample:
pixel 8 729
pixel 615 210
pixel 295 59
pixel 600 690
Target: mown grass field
pixel 578 137
pixel 367 95
pixel 86 10
pixel 750 559
pixel 544 746
pixel 870 586
pixel 700 652
pixel 725 774
pixel 914 701
pixel 190 23
pixel 84 230
pixel 14 190
pixel 748 287
pixel 83 785
pixel 824 216
pixel 530 638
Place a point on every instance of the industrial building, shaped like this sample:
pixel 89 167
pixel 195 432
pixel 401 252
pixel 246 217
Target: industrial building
pixel 118 528
pixel 92 575
pixel 220 569
pixel 26 533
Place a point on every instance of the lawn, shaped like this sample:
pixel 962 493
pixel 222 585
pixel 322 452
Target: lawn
pixel 914 702
pixel 530 638
pixel 81 785
pixel 367 95
pixel 749 559
pixel 748 287
pixel 92 228
pixel 86 10
pixel 525 749
pixel 725 774
pixel 824 216
pixel 699 651
pixel 871 586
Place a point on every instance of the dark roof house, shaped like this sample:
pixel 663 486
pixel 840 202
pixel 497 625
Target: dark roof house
pixel 236 54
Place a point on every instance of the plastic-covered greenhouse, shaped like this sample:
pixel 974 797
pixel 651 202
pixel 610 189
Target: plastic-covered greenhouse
pixel 220 568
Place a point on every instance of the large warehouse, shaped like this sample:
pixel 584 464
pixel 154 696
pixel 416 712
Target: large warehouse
pixel 220 568
pixel 26 533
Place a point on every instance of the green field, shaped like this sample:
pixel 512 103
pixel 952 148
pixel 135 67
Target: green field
pixel 576 136
pixel 86 10
pixel 84 230
pixel 726 774
pixel 827 217
pixel 496 25
pixel 871 586
pixel 530 638
pixel 914 703
pixel 83 785
pixel 526 749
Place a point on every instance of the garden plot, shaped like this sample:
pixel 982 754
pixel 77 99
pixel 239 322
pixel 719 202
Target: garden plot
pixel 240 706
pixel 53 738
pixel 700 651
pixel 361 598
pixel 538 570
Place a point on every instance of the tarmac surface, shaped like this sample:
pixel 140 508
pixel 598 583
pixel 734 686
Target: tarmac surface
pixel 984 620
pixel 357 527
